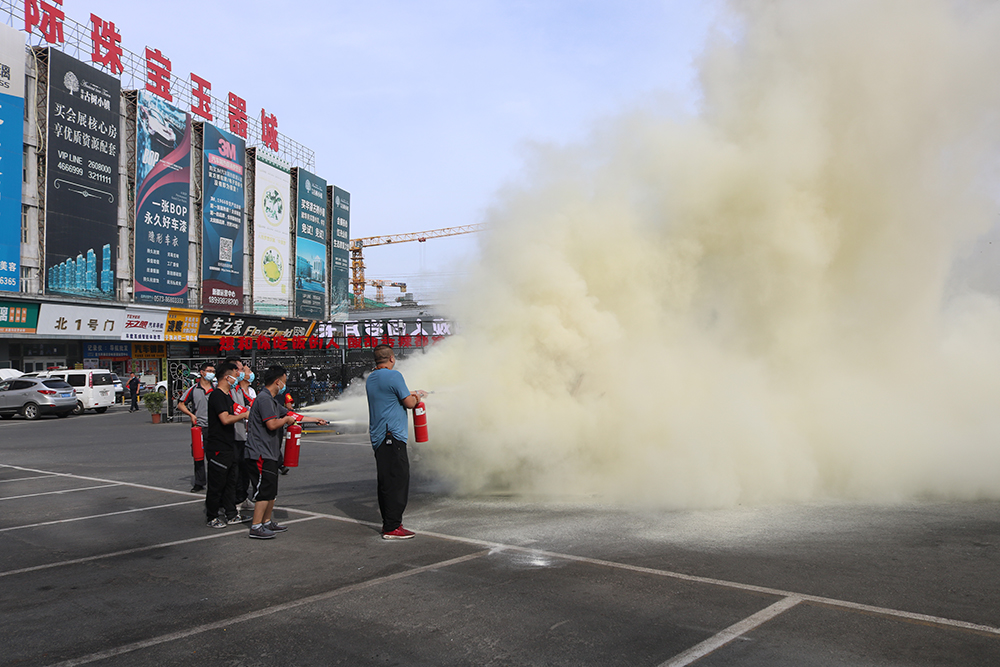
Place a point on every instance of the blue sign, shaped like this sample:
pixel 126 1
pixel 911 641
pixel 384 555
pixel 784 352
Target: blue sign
pixel 11 148
pixel 95 350
pixel 223 235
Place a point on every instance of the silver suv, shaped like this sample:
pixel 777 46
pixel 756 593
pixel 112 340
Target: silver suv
pixel 33 397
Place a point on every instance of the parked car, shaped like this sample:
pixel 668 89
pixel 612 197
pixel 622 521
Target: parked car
pixel 95 388
pixel 119 388
pixel 33 397
pixel 161 387
pixel 7 373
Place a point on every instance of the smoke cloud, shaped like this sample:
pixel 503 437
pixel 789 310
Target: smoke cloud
pixel 752 304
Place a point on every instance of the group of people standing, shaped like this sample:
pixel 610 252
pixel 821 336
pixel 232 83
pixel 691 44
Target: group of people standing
pixel 243 431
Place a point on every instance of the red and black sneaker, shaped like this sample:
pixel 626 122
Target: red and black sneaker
pixel 398 534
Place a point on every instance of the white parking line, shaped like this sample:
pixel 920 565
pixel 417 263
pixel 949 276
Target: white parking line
pixel 25 479
pixel 49 493
pixel 98 516
pixel 266 611
pixel 98 479
pixel 150 547
pixel 699 651
pixel 833 602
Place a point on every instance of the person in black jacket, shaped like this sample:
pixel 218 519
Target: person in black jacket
pixel 133 389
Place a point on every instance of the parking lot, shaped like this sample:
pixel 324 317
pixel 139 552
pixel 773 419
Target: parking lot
pixel 106 560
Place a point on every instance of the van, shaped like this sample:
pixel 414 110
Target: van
pixel 95 388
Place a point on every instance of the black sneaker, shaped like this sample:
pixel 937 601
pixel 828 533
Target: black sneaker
pixel 197 489
pixel 275 528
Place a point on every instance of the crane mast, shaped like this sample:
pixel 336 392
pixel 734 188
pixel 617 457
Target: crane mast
pixel 358 245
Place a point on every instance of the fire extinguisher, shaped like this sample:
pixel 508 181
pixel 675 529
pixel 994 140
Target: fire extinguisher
pixel 420 421
pixel 197 449
pixel 292 438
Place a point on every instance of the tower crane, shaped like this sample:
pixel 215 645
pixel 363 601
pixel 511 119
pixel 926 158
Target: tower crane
pixel 358 245
pixel 379 286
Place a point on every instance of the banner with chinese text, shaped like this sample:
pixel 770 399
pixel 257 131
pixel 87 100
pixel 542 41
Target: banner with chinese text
pixel 271 236
pixel 182 325
pixel 163 186
pixel 18 318
pixel 145 323
pixel 56 319
pixel 340 256
pixel 223 236
pixel 81 189
pixel 11 149
pixel 310 246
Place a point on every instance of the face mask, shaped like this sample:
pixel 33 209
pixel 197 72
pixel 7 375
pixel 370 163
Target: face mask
pixel 281 392
pixel 242 375
pixel 209 376
pixel 251 377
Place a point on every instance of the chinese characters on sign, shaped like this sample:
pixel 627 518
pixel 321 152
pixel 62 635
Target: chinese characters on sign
pixel 162 174
pixel 18 317
pixel 340 273
pixel 80 321
pixel 310 245
pixel 223 236
pixel 271 236
pixel 81 196
pixel 143 324
pixel 182 325
pixel 11 147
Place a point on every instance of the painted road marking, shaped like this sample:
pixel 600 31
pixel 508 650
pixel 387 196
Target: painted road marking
pixel 50 493
pixel 98 516
pixel 150 547
pixel 882 611
pixel 266 611
pixel 24 479
pixel 699 651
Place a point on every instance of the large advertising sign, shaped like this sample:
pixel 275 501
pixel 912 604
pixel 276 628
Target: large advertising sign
pixel 340 272
pixel 310 246
pixel 223 236
pixel 145 323
pixel 18 318
pixel 55 319
pixel 163 186
pixel 11 148
pixel 81 189
pixel 271 237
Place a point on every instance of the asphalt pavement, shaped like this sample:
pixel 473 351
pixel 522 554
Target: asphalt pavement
pixel 105 559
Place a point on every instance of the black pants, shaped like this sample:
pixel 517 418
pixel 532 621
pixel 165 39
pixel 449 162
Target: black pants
pixel 135 400
pixel 393 481
pixel 221 492
pixel 242 478
pixel 199 473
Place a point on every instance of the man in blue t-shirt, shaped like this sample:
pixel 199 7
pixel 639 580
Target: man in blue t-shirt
pixel 388 401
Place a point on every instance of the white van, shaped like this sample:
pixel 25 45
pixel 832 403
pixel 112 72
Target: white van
pixel 95 388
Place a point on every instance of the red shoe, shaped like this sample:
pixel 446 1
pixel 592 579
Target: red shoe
pixel 398 534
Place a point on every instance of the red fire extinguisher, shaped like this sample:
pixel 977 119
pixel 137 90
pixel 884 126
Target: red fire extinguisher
pixel 420 421
pixel 197 449
pixel 292 446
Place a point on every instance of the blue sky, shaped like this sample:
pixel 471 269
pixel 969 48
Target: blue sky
pixel 423 110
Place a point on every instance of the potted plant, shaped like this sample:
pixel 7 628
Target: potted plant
pixel 154 403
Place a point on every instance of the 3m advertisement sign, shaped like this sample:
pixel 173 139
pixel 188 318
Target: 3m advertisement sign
pixel 163 177
pixel 340 271
pixel 81 189
pixel 223 236
pixel 11 147
pixel 310 246
pixel 271 237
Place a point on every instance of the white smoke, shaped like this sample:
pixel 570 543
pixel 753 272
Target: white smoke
pixel 748 305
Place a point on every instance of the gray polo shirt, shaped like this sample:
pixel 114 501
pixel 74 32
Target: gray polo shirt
pixel 261 442
pixel 196 399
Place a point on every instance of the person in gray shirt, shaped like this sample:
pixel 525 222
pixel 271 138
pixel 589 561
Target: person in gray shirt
pixel 194 403
pixel 268 417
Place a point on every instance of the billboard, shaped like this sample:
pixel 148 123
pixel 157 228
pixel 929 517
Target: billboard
pixel 18 318
pixel 271 237
pixel 310 246
pixel 11 148
pixel 81 186
pixel 340 264
pixel 163 188
pixel 223 236
pixel 56 319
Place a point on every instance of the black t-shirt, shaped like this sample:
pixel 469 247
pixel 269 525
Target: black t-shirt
pixel 220 435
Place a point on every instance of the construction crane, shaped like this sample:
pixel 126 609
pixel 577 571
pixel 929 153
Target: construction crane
pixel 379 285
pixel 358 245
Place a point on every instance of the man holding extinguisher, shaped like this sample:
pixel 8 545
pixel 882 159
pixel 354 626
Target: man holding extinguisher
pixel 388 401
pixel 194 403
pixel 268 417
